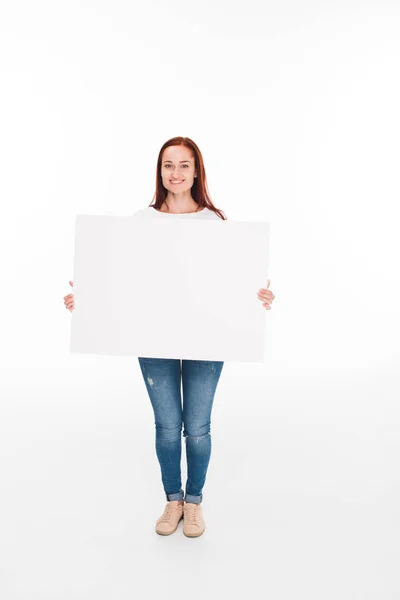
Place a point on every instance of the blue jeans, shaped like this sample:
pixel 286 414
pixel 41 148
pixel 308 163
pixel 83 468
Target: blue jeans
pixel 163 377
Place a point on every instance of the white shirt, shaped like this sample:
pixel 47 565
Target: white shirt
pixel 150 212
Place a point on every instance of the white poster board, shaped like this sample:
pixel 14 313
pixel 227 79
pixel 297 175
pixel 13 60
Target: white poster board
pixel 169 288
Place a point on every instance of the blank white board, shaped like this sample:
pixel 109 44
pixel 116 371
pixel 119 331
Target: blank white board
pixel 172 288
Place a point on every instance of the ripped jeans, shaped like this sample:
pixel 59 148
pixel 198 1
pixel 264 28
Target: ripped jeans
pixel 163 377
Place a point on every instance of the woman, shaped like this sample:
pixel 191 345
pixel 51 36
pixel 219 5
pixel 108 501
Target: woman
pixel 181 189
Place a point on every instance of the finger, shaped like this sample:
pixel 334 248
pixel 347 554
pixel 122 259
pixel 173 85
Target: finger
pixel 71 283
pixel 267 294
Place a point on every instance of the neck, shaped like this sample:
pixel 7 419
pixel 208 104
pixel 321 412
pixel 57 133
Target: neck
pixel 180 203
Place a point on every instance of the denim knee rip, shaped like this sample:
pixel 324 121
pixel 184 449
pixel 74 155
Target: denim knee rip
pixel 195 437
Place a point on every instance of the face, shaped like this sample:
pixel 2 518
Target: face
pixel 177 169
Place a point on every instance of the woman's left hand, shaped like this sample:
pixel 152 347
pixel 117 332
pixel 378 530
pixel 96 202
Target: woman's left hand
pixel 266 296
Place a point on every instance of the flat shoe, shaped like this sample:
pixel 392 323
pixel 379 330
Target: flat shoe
pixel 193 522
pixel 169 520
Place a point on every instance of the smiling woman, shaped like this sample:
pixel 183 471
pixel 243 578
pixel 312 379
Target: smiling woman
pixel 181 192
pixel 181 183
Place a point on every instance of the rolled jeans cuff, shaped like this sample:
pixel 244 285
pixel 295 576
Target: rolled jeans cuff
pixel 193 499
pixel 176 496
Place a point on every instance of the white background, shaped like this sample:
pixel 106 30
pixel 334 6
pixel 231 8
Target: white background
pixel 294 106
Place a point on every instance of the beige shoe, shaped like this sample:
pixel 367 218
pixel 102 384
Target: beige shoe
pixel 193 522
pixel 168 522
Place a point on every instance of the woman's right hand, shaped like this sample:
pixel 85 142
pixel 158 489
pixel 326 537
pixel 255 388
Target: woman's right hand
pixel 69 299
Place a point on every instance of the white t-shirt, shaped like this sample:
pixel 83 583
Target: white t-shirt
pixel 150 212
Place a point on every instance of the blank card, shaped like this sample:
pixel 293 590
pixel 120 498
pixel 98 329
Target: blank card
pixel 169 288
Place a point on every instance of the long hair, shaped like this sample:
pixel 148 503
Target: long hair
pixel 199 189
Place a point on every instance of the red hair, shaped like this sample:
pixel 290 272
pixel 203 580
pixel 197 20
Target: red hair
pixel 199 188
